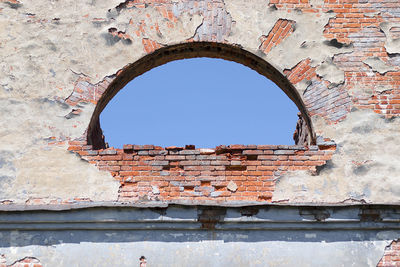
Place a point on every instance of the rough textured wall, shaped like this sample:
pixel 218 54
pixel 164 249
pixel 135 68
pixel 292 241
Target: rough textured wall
pixel 178 235
pixel 25 262
pixel 391 256
pixel 337 60
pixel 225 174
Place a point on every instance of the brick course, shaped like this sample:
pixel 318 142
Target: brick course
pixel 281 30
pixel 148 172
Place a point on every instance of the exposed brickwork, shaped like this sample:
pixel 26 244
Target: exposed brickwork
pixel 25 262
pixel 293 5
pixel 361 80
pixel 85 92
pixel 171 174
pixel 356 24
pixel 387 102
pixel 351 17
pixel 281 30
pixel 301 71
pixel 11 2
pixel 391 257
pixel 148 173
pixel 150 45
pixel 216 24
pixel 332 104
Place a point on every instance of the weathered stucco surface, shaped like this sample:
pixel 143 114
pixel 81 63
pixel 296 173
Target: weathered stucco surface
pixel 366 149
pixel 205 253
pixel 47 47
pixel 306 42
pixel 339 62
pixel 32 169
pixel 201 236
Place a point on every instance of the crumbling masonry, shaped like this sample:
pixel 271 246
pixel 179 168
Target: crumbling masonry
pixel 331 199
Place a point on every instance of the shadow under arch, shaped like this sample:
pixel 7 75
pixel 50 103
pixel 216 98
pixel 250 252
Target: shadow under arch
pixel 192 50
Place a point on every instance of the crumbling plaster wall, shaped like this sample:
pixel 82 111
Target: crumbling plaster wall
pixel 205 253
pixel 47 47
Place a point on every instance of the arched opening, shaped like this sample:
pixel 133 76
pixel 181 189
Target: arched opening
pixel 204 102
pixel 193 50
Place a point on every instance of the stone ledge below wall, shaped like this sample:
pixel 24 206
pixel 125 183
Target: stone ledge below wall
pixel 350 230
pixel 276 217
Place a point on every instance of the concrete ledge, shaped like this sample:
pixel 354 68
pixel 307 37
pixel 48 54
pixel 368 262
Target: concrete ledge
pixel 359 230
pixel 195 217
pixel 160 204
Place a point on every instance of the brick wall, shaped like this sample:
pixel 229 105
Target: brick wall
pixel 185 173
pixel 281 30
pixel 148 172
pixel 25 262
pixel 391 257
pixel 357 23
pixel 226 173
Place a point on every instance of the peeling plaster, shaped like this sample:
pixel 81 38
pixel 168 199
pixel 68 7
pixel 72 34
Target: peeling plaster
pixel 44 52
pixel 182 29
pixel 364 168
pixel 30 168
pixel 48 45
pixel 30 123
pixel 64 177
pixel 378 65
pixel 392 45
pixel 306 41
pixel 354 253
pixel 330 72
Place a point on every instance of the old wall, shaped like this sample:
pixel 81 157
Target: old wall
pixel 62 61
pixel 201 236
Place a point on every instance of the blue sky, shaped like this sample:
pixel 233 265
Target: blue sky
pixel 202 101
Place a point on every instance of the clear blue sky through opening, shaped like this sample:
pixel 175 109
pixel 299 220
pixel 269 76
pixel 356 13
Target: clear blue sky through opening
pixel 205 102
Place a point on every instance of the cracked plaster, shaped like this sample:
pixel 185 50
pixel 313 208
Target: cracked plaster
pixel 31 168
pixel 354 253
pixel 46 46
pixel 51 44
pixel 378 65
pixel 330 72
pixel 363 169
pixel 392 45
pixel 306 41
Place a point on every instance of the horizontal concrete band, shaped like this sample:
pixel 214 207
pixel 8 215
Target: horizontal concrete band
pixel 181 217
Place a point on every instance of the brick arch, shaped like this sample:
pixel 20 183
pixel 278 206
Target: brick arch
pixel 193 50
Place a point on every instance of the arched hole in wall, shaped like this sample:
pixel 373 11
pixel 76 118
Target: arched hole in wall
pixel 192 50
pixel 204 102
